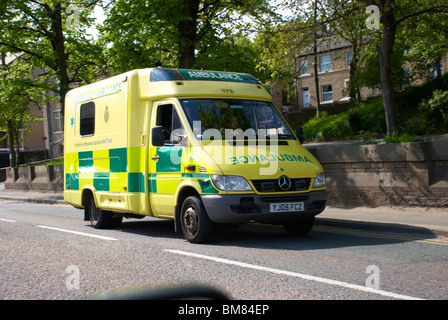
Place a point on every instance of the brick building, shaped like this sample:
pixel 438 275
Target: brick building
pixel 333 64
pixel 44 137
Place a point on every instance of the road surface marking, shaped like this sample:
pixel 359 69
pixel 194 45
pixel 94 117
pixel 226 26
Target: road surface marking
pixel 78 233
pixel 295 274
pixel 7 220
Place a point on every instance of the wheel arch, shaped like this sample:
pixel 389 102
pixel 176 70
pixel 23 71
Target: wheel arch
pixel 183 194
pixel 86 195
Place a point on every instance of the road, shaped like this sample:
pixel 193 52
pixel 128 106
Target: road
pixel 49 252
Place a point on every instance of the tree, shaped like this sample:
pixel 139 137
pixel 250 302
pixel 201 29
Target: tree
pixel 16 94
pixel 277 48
pixel 347 19
pixel 53 34
pixel 280 43
pixel 139 34
pixel 426 43
pixel 392 15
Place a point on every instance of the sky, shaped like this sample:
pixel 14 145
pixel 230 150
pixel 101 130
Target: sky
pixel 99 16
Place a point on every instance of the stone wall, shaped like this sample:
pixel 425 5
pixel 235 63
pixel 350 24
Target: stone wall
pixel 38 178
pixel 406 174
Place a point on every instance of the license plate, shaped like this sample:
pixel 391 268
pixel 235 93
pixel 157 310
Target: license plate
pixel 286 207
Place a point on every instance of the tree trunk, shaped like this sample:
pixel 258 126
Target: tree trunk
pixel 17 143
pixel 188 33
pixel 354 90
pixel 316 75
pixel 316 81
pixel 12 152
pixel 58 45
pixel 385 55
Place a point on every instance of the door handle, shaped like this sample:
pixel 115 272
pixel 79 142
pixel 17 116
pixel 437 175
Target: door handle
pixel 155 158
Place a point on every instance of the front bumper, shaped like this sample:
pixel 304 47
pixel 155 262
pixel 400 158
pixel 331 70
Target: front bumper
pixel 254 207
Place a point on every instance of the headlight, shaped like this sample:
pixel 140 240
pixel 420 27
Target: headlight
pixel 230 183
pixel 319 180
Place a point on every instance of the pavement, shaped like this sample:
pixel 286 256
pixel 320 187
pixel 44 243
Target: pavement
pixel 428 222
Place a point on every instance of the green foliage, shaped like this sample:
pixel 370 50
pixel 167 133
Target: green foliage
pixel 369 72
pixel 402 138
pixel 325 128
pixel 16 92
pixel 363 122
pixel 142 34
pixel 414 109
pixel 52 35
pixel 422 111
pixel 435 109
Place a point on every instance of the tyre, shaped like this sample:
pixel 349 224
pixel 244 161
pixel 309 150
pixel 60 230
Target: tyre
pixel 299 227
pixel 102 219
pixel 195 223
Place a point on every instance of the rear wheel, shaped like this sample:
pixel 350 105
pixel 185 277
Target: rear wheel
pixel 299 227
pixel 102 219
pixel 195 223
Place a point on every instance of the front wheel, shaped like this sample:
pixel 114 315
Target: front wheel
pixel 195 223
pixel 299 227
pixel 102 219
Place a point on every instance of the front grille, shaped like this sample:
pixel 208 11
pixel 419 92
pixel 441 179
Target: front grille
pixel 271 185
pixel 289 198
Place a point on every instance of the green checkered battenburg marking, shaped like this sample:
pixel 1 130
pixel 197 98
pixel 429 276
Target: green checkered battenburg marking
pixel 117 161
pixel 136 182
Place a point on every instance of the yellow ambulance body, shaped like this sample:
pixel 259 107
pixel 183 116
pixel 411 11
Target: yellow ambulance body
pixel 198 147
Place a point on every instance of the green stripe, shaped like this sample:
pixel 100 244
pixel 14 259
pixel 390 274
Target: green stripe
pixel 85 161
pixel 118 160
pixel 72 180
pixel 136 182
pixel 152 185
pixel 170 159
pixel 195 175
pixel 101 181
pixel 207 186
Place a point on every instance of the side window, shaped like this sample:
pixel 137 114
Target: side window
pixel 87 121
pixel 168 118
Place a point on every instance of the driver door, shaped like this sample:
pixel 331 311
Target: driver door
pixel 165 171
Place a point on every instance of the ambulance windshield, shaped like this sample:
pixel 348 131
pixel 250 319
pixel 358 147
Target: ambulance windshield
pixel 224 118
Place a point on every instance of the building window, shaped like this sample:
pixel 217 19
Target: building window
pixel 304 66
pixel 406 77
pixel 346 83
pixel 327 93
pixel 87 119
pixel 433 71
pixel 325 63
pixel 57 121
pixel 375 90
pixel 348 58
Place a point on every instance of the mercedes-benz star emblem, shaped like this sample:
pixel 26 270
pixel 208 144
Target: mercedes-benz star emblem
pixel 284 183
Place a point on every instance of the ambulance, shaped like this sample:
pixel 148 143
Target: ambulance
pixel 201 148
